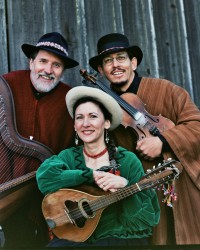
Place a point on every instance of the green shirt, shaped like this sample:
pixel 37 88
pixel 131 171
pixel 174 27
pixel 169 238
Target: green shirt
pixel 132 217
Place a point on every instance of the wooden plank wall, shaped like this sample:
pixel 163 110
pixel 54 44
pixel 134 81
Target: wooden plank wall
pixel 167 31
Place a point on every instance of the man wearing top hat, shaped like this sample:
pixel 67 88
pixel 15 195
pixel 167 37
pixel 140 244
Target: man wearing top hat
pixel 118 61
pixel 41 114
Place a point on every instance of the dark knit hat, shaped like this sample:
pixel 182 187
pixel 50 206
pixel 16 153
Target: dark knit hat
pixel 55 43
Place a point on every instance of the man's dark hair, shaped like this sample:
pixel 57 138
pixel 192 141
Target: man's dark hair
pixel 35 53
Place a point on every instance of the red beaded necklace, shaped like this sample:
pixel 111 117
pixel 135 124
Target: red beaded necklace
pixel 97 155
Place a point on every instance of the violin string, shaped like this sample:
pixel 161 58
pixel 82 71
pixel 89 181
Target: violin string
pixel 131 110
pixel 124 104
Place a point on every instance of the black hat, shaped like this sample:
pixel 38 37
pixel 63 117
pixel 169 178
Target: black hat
pixel 53 42
pixel 112 43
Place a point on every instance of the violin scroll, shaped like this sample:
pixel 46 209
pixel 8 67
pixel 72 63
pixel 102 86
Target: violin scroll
pixel 88 77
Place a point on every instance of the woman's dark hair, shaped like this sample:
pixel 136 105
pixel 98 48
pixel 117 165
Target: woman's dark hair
pixel 106 113
pixel 112 150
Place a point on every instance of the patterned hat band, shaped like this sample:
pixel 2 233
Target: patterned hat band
pixel 54 45
pixel 52 42
pixel 111 49
pixel 112 43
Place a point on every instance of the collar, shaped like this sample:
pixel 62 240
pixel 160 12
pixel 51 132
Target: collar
pixel 38 95
pixel 133 88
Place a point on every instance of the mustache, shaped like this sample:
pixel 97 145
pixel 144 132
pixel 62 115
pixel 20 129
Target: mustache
pixel 50 76
pixel 117 68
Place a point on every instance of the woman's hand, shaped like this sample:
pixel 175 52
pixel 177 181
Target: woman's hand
pixel 108 181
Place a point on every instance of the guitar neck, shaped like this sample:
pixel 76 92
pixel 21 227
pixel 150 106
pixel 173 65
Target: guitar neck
pixel 123 193
pixel 107 200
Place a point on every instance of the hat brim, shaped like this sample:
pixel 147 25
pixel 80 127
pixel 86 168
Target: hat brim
pixel 97 60
pixel 30 49
pixel 106 100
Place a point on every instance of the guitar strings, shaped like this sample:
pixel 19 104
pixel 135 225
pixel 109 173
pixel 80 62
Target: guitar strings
pixel 103 201
pixel 153 180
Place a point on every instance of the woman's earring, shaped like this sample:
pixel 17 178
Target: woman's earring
pixel 76 139
pixel 107 137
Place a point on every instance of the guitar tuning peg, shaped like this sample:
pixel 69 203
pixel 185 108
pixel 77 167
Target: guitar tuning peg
pixel 169 159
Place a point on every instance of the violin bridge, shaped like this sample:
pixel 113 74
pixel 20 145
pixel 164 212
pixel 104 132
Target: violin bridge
pixel 137 116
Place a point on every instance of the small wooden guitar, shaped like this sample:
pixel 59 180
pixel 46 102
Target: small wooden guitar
pixel 73 214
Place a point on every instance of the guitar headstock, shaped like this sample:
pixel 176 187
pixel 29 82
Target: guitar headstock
pixel 170 169
pixel 169 163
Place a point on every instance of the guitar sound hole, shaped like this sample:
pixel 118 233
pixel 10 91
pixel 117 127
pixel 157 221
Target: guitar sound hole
pixel 75 214
pixel 87 209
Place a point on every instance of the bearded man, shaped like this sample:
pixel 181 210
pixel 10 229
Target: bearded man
pixel 39 95
pixel 41 115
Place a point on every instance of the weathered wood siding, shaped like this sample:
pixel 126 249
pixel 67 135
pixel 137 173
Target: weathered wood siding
pixel 166 30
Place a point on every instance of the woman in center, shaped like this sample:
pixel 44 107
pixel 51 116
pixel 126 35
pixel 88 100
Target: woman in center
pixel 96 161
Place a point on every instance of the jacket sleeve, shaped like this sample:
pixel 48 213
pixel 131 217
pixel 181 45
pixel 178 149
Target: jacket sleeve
pixel 59 171
pixel 184 138
pixel 174 102
pixel 141 210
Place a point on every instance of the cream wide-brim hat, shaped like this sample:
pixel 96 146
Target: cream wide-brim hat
pixel 106 100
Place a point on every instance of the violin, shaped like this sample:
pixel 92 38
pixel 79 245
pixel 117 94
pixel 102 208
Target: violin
pixel 134 112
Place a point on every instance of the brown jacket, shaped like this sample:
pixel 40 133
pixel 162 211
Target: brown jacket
pixel 173 102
